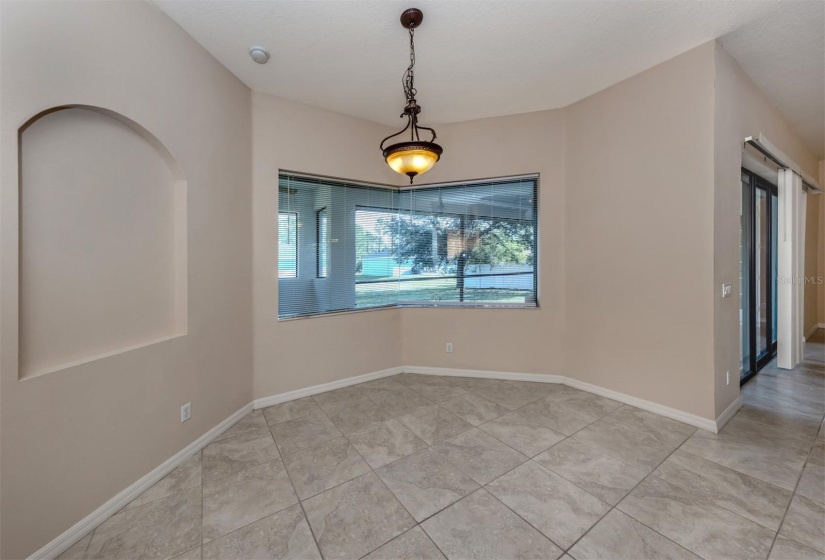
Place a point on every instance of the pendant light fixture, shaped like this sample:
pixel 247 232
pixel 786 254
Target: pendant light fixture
pixel 416 156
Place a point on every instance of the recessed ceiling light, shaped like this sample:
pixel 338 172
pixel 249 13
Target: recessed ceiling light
pixel 259 54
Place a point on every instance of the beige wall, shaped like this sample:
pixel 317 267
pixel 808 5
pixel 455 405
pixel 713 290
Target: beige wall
pixel 740 110
pixel 821 255
pixel 813 256
pixel 73 439
pixel 638 228
pixel 516 340
pixel 299 353
pixel 639 233
pixel 106 230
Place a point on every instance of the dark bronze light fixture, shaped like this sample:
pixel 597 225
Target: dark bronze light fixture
pixel 416 156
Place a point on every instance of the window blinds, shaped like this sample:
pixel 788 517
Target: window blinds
pixel 346 246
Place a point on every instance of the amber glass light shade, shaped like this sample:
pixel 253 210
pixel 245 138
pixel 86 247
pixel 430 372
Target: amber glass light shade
pixel 412 158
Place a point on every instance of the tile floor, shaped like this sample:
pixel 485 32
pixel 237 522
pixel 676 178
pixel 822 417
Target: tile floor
pixel 416 466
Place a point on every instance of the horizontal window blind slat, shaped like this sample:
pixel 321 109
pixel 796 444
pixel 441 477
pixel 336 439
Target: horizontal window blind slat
pixel 348 246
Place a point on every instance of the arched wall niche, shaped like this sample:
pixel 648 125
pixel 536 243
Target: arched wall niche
pixel 103 242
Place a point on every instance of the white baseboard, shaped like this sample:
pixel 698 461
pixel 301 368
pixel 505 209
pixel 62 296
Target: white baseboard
pixel 650 406
pixel 729 413
pixel 486 374
pixel 80 529
pixel 323 388
pixel 812 330
pixel 101 514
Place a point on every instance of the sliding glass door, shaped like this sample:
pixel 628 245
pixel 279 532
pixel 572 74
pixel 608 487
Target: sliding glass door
pixel 758 274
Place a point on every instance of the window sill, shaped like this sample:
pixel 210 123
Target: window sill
pixel 445 305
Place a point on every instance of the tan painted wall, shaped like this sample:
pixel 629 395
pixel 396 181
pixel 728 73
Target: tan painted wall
pixel 639 278
pixel 73 439
pixel 295 354
pixel 517 340
pixel 107 232
pixel 813 256
pixel 628 293
pixel 740 110
pixel 821 256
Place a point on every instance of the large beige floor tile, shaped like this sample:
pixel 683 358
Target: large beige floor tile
pixel 474 409
pixel 523 432
pixel 562 511
pixel 696 523
pixel 235 454
pixel 412 545
pixel 817 456
pixel 385 442
pixel 805 523
pixel 787 549
pixel 669 433
pixel 789 420
pixel 426 483
pixel 481 527
pixel 625 443
pixel 284 535
pixel 186 476
pixel 750 497
pixel 239 499
pixel 480 455
pixel 508 395
pixel 556 416
pixel 356 517
pixel 755 457
pixel 333 400
pixel 290 410
pixel 620 536
pixel 301 433
pixel 604 476
pixel 191 554
pixel 434 424
pixel 437 390
pixel 159 529
pixel 326 465
pixel 358 415
pixel 744 430
pixel 812 483
pixel 396 399
pixel 584 403
pixel 470 383
pixel 250 425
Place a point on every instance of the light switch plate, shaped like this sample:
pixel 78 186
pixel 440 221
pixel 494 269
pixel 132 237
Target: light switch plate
pixel 727 290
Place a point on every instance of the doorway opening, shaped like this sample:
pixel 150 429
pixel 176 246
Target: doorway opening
pixel 758 274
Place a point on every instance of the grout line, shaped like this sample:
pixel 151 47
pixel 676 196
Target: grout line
pixel 371 471
pixel 429 447
pixel 627 514
pixel 304 511
pixel 796 487
pixel 203 483
pixel 89 544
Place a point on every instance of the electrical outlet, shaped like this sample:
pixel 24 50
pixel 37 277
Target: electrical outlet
pixel 449 348
pixel 728 377
pixel 185 412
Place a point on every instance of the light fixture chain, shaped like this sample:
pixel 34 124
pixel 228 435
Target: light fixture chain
pixel 409 75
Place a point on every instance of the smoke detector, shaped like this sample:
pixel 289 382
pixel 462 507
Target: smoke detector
pixel 259 54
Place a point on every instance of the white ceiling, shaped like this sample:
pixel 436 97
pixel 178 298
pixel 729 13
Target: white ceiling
pixel 484 58
pixel 784 55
